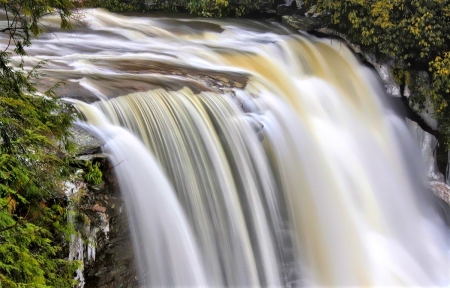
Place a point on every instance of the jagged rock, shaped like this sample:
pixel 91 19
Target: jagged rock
pixel 427 144
pixel 101 271
pixel 283 10
pixel 427 113
pixel 85 142
pixel 91 157
pixel 334 33
pixel 302 23
pixel 98 208
pixel 113 262
pixel 441 190
pixel 384 71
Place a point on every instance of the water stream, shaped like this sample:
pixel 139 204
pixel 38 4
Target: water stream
pixel 250 155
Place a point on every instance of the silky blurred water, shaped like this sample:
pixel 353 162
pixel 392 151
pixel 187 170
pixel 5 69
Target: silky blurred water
pixel 249 155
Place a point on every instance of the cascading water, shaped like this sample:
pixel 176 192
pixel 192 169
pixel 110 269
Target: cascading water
pixel 269 159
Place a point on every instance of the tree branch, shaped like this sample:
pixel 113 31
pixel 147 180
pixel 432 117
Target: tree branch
pixel 10 29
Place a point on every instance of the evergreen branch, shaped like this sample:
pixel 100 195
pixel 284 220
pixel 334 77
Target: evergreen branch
pixel 9 227
pixel 10 28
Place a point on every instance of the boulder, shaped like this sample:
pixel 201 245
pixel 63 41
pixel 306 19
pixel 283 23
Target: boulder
pixel 302 23
pixel 427 144
pixel 85 142
pixel 441 190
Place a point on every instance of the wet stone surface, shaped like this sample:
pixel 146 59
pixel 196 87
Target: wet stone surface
pixel 113 265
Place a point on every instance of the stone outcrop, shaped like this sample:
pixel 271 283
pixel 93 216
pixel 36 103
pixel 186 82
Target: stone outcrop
pixel 112 262
pixel 85 143
pixel 441 189
pixel 428 145
pixel 103 242
pixel 301 22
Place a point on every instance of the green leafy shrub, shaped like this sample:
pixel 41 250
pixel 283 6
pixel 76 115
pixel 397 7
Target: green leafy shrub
pixel 93 174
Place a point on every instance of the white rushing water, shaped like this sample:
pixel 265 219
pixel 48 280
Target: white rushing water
pixel 250 155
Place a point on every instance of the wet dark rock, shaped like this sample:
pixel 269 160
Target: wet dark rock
pixel 98 208
pixel 441 189
pixel 427 144
pixel 92 157
pixel 302 23
pixel 113 265
pixel 101 271
pixel 85 142
pixel 283 10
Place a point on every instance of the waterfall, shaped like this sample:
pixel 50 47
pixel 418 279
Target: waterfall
pixel 167 252
pixel 249 156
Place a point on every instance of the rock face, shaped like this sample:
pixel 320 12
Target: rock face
pixel 427 144
pixel 85 143
pixel 103 242
pixel 384 71
pixel 427 112
pixel 441 190
pixel 435 179
pixel 301 22
pixel 112 262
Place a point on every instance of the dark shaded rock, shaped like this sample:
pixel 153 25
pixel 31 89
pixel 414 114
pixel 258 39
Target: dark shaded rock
pixel 427 144
pixel 302 23
pixel 295 7
pixel 283 10
pixel 98 208
pixel 92 157
pixel 441 190
pixel 101 271
pixel 85 142
pixel 113 265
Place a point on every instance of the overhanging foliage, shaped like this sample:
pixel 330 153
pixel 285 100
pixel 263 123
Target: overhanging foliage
pixel 33 140
pixel 205 8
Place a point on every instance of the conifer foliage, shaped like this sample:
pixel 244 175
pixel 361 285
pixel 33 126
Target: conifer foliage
pixel 33 144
